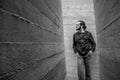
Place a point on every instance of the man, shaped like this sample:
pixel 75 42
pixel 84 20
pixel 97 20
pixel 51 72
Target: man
pixel 83 45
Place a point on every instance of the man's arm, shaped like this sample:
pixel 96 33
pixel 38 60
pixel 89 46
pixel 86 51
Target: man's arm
pixel 74 44
pixel 93 43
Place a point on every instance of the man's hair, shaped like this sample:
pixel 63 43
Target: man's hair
pixel 82 23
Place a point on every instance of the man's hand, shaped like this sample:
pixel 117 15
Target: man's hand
pixel 77 54
pixel 89 53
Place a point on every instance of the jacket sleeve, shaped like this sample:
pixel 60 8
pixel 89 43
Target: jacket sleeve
pixel 74 45
pixel 92 42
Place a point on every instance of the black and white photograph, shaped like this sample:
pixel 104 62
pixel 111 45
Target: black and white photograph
pixel 59 39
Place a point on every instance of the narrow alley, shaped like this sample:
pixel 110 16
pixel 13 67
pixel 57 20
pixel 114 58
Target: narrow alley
pixel 36 39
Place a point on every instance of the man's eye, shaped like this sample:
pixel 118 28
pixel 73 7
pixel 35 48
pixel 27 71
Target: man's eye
pixel 77 24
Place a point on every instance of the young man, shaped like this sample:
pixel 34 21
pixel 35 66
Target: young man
pixel 84 45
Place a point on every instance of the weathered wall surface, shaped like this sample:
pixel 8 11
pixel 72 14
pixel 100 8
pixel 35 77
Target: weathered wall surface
pixel 31 40
pixel 108 31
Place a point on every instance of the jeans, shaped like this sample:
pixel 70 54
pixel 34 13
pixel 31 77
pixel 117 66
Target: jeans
pixel 86 73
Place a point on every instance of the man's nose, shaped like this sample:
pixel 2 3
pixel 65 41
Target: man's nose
pixel 77 26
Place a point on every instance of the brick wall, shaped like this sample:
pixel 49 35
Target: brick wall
pixel 31 40
pixel 107 14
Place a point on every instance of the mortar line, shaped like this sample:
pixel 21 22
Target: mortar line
pixel 26 20
pixel 108 25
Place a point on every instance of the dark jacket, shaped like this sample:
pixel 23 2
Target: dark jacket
pixel 83 43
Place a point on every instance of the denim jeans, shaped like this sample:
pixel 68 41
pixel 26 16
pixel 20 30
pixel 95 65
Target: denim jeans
pixel 86 73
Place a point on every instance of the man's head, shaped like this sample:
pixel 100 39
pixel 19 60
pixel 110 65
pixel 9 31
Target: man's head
pixel 80 24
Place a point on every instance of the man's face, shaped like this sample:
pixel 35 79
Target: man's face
pixel 78 26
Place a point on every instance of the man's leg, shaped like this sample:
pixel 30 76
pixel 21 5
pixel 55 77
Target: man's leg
pixel 86 61
pixel 81 74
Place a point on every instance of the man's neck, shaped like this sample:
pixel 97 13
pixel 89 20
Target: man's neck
pixel 82 30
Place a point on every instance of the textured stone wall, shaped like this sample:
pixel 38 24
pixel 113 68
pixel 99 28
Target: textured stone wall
pixel 107 14
pixel 31 40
